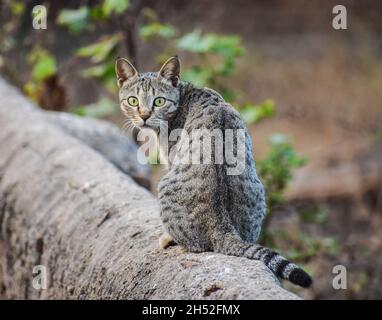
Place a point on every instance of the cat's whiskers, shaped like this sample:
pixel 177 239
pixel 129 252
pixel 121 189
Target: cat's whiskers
pixel 128 126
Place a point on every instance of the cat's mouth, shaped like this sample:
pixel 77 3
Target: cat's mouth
pixel 146 125
pixel 149 123
pixel 141 123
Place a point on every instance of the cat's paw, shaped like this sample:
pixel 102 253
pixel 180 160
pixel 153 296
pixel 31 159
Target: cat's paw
pixel 166 241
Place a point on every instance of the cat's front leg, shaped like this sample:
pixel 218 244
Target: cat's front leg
pixel 166 241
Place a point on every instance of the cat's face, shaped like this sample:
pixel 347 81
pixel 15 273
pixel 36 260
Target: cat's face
pixel 148 99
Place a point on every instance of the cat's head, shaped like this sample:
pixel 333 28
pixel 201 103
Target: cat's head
pixel 148 99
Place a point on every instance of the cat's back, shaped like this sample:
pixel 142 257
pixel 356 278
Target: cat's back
pixel 208 110
pixel 246 206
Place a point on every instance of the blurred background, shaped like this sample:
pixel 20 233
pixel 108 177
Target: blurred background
pixel 311 96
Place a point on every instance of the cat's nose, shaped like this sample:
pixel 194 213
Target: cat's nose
pixel 144 116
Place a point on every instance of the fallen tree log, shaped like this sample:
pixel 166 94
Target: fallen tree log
pixel 65 206
pixel 108 140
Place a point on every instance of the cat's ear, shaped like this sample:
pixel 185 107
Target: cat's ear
pixel 171 70
pixel 124 71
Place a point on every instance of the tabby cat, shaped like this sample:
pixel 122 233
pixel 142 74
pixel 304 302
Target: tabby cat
pixel 202 207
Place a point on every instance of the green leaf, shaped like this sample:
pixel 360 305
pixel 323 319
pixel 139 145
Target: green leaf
pixel 44 68
pixel 227 67
pixel 194 42
pixel 100 50
pixel 277 168
pixel 99 109
pixel 101 71
pixel 30 88
pixel 227 46
pixel 255 113
pixel 157 29
pixel 76 20
pixel 116 6
pixel 97 13
pixel 197 75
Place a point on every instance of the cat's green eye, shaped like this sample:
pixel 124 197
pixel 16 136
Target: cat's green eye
pixel 133 101
pixel 159 102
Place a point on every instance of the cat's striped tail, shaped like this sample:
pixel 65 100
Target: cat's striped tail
pixel 280 266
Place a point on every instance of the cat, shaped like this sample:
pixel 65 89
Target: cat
pixel 202 207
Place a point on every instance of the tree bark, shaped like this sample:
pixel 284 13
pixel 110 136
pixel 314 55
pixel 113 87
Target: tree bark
pixel 65 205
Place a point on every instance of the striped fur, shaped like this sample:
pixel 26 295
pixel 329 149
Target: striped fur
pixel 279 265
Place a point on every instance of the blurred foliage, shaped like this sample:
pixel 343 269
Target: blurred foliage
pixel 43 66
pixel 313 214
pixel 17 8
pixel 116 6
pixel 277 168
pixel 276 171
pixel 10 14
pixel 254 113
pixel 216 54
pixel 227 48
pixel 154 28
pixel 101 53
pixel 301 247
pixel 84 18
pixel 76 20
